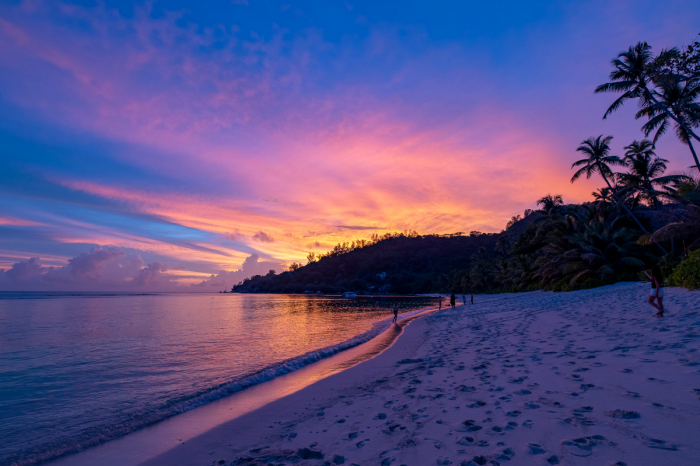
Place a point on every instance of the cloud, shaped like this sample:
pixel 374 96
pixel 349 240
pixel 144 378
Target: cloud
pixel 23 271
pixel 251 266
pixel 263 237
pixel 358 227
pixel 153 274
pixel 87 266
pixel 98 269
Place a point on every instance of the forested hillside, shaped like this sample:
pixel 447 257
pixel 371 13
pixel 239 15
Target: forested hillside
pixel 397 263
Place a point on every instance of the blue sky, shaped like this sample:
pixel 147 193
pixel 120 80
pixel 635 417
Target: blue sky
pixel 205 136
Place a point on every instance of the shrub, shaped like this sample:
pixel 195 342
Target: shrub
pixel 687 273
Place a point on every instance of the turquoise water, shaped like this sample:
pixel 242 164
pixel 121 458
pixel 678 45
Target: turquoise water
pixel 79 369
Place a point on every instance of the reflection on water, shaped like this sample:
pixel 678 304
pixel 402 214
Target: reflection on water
pixel 79 369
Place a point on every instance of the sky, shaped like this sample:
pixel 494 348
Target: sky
pixel 182 145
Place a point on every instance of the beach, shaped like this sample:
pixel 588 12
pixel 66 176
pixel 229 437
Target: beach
pixel 588 377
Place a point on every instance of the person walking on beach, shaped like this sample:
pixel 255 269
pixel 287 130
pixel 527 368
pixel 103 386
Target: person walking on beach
pixel 395 308
pixel 472 295
pixel 439 302
pixel 464 299
pixel 452 300
pixel 657 289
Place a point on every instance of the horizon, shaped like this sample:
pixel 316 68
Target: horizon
pixel 165 147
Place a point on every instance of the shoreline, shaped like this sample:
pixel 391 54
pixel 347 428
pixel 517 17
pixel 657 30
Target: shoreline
pixel 144 443
pixel 588 377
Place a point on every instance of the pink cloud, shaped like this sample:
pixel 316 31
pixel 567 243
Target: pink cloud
pixel 104 270
pixel 251 266
pixel 153 274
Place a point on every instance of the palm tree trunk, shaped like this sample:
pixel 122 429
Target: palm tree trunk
pixel 695 156
pixel 629 212
pixel 650 191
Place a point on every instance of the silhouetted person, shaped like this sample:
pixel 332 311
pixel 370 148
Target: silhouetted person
pixel 439 302
pixel 452 300
pixel 464 299
pixel 472 295
pixel 395 308
pixel 657 289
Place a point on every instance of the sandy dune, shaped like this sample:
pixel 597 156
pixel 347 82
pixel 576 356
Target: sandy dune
pixel 581 378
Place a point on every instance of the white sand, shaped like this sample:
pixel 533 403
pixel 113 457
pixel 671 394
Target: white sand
pixel 581 378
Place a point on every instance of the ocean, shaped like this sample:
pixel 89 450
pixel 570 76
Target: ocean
pixel 79 369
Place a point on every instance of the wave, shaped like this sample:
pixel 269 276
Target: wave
pixel 98 435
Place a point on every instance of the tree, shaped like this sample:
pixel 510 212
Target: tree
pixel 598 160
pixel 590 244
pixel 513 220
pixel 645 172
pixel 634 70
pixel 678 96
pixel 550 204
pixel 294 266
pixel 602 195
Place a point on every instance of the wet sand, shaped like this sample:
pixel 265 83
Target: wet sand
pixel 146 444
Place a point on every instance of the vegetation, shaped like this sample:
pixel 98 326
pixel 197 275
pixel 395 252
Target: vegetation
pixel 394 263
pixel 666 88
pixel 641 217
pixel 687 272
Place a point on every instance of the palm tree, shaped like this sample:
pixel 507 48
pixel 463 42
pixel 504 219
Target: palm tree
pixel 632 74
pixel 687 230
pixel 602 194
pixel 598 160
pixel 679 96
pixel 550 204
pixel 645 172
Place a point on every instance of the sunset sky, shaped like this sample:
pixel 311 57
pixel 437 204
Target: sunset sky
pixel 144 146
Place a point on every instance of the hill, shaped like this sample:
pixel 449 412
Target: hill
pixel 399 263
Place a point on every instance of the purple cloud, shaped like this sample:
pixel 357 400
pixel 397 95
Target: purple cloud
pixel 22 271
pixel 251 266
pixel 263 237
pixel 153 274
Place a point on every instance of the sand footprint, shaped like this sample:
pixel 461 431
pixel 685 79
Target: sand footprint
pixel 659 444
pixel 583 446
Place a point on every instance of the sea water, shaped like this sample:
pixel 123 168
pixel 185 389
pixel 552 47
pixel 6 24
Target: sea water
pixel 77 370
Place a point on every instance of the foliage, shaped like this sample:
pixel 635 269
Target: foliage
pixel 687 273
pixel 401 263
pixel 666 88
pixel 645 182
pixel 585 245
